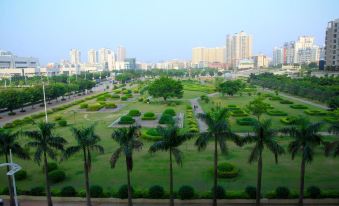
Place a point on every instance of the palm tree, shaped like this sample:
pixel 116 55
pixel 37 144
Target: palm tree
pixel 263 136
pixel 8 141
pixel 171 140
pixel 333 147
pixel 306 138
pixel 45 144
pixel 87 141
pixel 218 131
pixel 127 138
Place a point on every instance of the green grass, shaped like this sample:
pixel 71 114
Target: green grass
pixel 153 169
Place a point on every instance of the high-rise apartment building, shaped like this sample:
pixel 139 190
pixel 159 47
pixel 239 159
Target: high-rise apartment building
pixel 92 56
pixel 277 56
pixel 106 58
pixel 75 56
pixel 260 61
pixel 121 54
pixel 332 45
pixel 238 46
pixel 201 55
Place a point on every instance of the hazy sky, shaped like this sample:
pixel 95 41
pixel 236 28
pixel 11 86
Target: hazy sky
pixel 154 30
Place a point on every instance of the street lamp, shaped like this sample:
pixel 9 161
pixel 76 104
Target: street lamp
pixel 43 90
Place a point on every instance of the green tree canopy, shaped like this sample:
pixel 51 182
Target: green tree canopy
pixel 166 87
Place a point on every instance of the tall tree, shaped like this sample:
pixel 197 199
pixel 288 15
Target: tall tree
pixel 46 143
pixel 170 142
pixel 258 107
pixel 263 137
pixel 230 87
pixel 306 137
pixel 8 141
pixel 86 143
pixel 128 141
pixel 218 131
pixel 333 147
pixel 166 87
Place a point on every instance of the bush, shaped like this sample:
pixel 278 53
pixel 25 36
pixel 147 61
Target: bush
pixel 51 166
pixel 238 113
pixel 289 120
pixel 251 192
pixel 166 119
pixel 96 191
pixel 156 192
pixel 110 105
pixel 37 191
pixel 220 192
pixel 275 98
pixel 57 117
pixel 149 116
pixel 56 176
pixel 126 120
pixel 101 98
pixel 282 192
pixel 134 113
pixel 186 192
pixel 298 106
pixel 124 98
pixel 68 191
pixel 284 101
pixel 315 112
pixel 276 113
pixel 62 123
pixel 169 111
pixel 227 170
pixel 115 96
pixel 8 125
pixel 94 107
pixel 83 106
pixel 123 192
pixel 246 121
pixel 313 192
pixel 20 175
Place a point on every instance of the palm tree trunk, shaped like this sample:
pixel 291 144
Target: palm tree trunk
pixel 171 180
pixel 258 195
pixel 302 180
pixel 88 194
pixel 129 185
pixel 10 186
pixel 48 189
pixel 215 171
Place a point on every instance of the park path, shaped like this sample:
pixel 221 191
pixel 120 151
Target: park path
pixel 300 99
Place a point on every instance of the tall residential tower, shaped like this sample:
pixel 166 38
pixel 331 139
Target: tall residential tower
pixel 332 45
pixel 238 46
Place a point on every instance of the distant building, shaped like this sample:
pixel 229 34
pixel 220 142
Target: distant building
pixel 11 64
pixel 208 55
pixel 121 54
pixel 238 46
pixel 260 61
pixel 92 56
pixel 130 63
pixel 245 64
pixel 332 45
pixel 75 56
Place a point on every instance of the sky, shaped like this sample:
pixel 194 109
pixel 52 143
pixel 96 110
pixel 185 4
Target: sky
pixel 155 30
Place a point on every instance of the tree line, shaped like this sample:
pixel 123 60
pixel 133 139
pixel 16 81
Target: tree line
pixel 47 145
pixel 15 98
pixel 324 89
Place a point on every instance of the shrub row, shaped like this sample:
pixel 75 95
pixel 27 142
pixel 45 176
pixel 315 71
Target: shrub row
pixel 276 113
pixel 246 121
pixel 191 120
pixel 315 112
pixel 151 134
pixel 298 106
pixel 126 120
pixel 289 120
pixel 149 116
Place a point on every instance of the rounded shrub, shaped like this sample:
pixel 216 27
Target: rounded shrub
pixel 156 192
pixel 57 117
pixel 62 123
pixel 251 192
pixel 94 107
pixel 227 170
pixel 96 191
pixel 83 106
pixel 134 113
pixel 110 105
pixel 166 119
pixel 51 166
pixel 115 96
pixel 149 116
pixel 313 192
pixel 186 192
pixel 68 191
pixel 37 191
pixel 246 121
pixel 282 192
pixel 124 98
pixel 169 111
pixel 220 192
pixel 20 175
pixel 126 120
pixel 123 192
pixel 56 176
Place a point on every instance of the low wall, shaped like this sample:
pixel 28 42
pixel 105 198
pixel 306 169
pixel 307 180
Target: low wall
pixel 76 201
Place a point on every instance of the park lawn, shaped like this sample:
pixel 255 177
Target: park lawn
pixel 153 169
pixel 242 101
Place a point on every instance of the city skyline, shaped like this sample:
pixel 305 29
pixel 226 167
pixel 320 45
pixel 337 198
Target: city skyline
pixel 153 39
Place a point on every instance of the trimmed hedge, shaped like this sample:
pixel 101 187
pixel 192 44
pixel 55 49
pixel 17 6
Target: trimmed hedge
pixel 151 134
pixel 170 111
pixel 156 192
pixel 134 113
pixel 284 101
pixel 276 113
pixel 227 170
pixel 94 107
pixel 96 191
pixel 110 105
pixel 68 191
pixel 56 176
pixel 239 113
pixel 126 120
pixel 282 192
pixel 313 192
pixel 251 192
pixel 275 98
pixel 246 121
pixel 220 192
pixel 289 120
pixel 124 98
pixel 149 116
pixel 166 119
pixel 62 123
pixel 298 106
pixel 115 96
pixel 37 191
pixel 186 192
pixel 51 166
pixel 315 112
pixel 83 105
pixel 20 175
pixel 123 192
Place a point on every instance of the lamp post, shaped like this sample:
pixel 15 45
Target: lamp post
pixel 43 90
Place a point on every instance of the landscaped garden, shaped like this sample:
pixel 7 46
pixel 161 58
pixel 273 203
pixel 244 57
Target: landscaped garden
pixel 234 171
